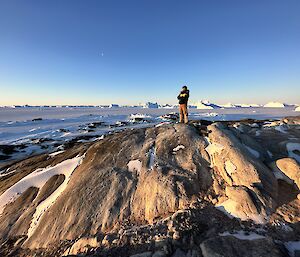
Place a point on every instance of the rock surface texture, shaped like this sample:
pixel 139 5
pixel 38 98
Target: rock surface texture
pixel 220 189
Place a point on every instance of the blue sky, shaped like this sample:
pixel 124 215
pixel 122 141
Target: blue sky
pixel 127 52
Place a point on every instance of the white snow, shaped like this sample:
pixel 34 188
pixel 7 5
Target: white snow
pixel 204 105
pixel 238 127
pixel 62 123
pixel 212 149
pixel 297 109
pixel 274 105
pixel 162 123
pixel 207 114
pixel 257 133
pixel 56 153
pixel 139 115
pixel 4 173
pixel 252 151
pixel 281 128
pixel 277 125
pixel 291 147
pixel 254 125
pixel 292 246
pixel 37 179
pixel 230 167
pixel 269 124
pixel 177 148
pixel 151 155
pixel 243 235
pixel 229 105
pixel 135 166
pixel 66 168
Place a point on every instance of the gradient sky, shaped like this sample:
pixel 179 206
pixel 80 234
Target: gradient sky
pixel 127 52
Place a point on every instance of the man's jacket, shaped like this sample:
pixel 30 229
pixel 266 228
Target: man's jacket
pixel 183 97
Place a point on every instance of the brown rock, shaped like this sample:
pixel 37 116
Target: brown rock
pixel 290 168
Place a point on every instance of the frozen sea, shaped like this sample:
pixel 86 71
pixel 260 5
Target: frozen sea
pixel 39 129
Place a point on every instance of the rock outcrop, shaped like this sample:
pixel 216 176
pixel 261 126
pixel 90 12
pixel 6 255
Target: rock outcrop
pixel 157 190
pixel 223 246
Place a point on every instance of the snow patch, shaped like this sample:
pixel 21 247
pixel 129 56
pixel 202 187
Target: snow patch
pixel 230 167
pixel 177 148
pixel 291 148
pixel 162 123
pixel 151 155
pixel 257 133
pixel 38 178
pixel 238 127
pixel 212 149
pixel 281 129
pixel 55 153
pixel 252 151
pixel 66 168
pixel 5 173
pixel 135 166
pixel 139 115
pixel 292 246
pixel 243 235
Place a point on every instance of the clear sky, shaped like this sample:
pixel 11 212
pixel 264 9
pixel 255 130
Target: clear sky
pixel 127 52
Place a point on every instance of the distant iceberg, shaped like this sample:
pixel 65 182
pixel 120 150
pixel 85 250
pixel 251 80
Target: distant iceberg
pixel 114 106
pixel 275 105
pixel 150 105
pixel 228 105
pixel 206 105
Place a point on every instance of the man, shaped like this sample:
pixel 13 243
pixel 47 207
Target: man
pixel 183 98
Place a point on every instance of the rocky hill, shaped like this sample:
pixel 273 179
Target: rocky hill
pixel 205 189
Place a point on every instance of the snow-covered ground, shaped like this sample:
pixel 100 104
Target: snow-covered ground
pixel 39 129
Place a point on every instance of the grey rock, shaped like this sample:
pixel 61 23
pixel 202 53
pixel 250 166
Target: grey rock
pixel 159 254
pixel 229 246
pixel 179 253
pixel 144 254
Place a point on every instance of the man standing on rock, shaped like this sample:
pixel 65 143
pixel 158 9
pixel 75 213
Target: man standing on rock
pixel 183 98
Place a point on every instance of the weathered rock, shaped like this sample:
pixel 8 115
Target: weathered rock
pixel 159 254
pixel 82 245
pixel 244 205
pixel 229 246
pixel 144 254
pixel 108 240
pixel 130 175
pixel 234 164
pixel 290 168
pixel 153 190
pixel 179 253
pixel 176 235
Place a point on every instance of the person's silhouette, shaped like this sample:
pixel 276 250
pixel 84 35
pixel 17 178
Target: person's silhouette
pixel 183 98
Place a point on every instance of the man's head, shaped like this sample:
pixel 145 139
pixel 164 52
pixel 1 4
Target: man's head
pixel 184 88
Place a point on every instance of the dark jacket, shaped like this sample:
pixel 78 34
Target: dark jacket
pixel 183 97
